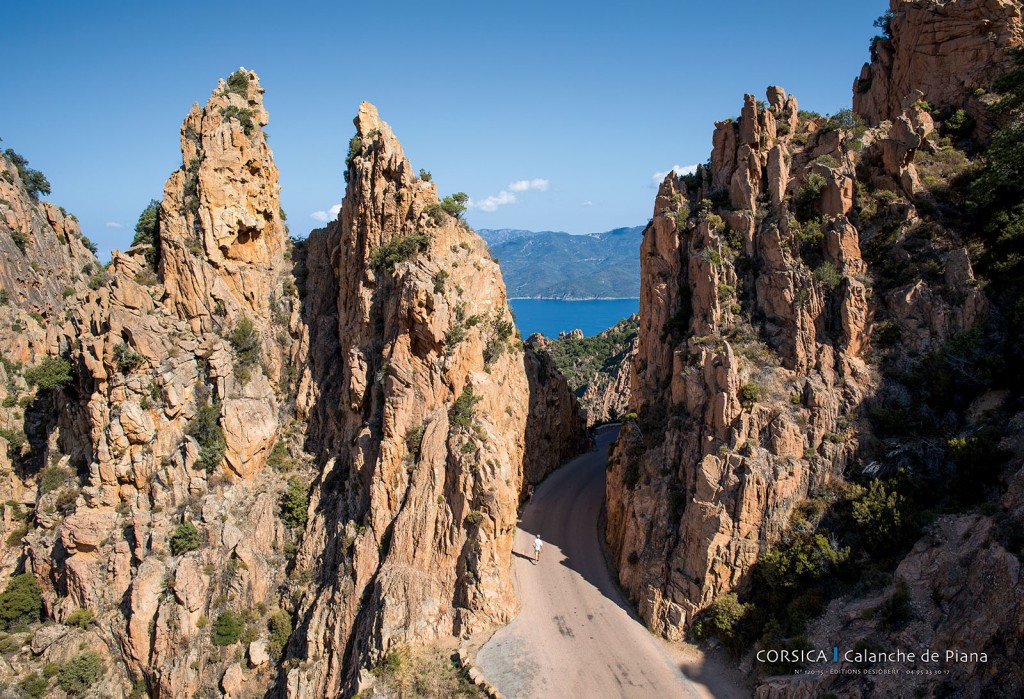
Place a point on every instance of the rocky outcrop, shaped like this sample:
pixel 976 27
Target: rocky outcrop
pixel 421 428
pixel 951 52
pixel 755 322
pixel 221 233
pixel 963 594
pixel 555 430
pixel 171 406
pixel 736 322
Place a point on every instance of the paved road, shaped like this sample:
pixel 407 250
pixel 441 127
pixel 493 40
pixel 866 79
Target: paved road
pixel 575 636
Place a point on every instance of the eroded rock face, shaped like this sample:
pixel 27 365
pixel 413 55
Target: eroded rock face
pixel 949 51
pixel 755 321
pixel 704 480
pixel 221 232
pixel 422 427
pixel 164 477
pixel 150 350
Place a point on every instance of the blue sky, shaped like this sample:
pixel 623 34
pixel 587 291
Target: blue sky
pixel 549 115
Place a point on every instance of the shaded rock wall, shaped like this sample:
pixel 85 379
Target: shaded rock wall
pixel 950 52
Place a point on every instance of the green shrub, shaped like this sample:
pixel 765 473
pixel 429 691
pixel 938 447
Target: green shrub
pixel 186 538
pixel 147 232
pixel 10 401
pixel 35 182
pixel 385 257
pixel 98 280
pixel 245 340
pixel 206 430
pixel 355 149
pixel 80 673
pixel 21 601
pixel 879 512
pixel 227 629
pixel 295 503
pixel 828 276
pixel 49 373
pixel 238 83
pixel 959 124
pixel 53 477
pixel 439 279
pixel 81 618
pixel 280 459
pixel 827 161
pixel 243 115
pixel 751 392
pixel 720 619
pixel 454 206
pixel 462 412
pixel 88 245
pixel 414 438
pixel 425 175
pixel 474 519
pixel 809 196
pixel 280 627
pixel 34 686
pixel 127 359
pixel 19 239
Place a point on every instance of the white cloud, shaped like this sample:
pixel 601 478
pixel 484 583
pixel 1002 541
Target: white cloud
pixel 657 177
pixel 587 203
pixel 506 195
pixel 492 203
pixel 113 224
pixel 539 184
pixel 325 216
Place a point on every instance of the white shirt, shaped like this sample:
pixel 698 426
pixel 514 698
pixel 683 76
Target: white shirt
pixel 537 544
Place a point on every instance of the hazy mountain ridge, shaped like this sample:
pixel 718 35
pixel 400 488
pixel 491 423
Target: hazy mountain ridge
pixel 557 265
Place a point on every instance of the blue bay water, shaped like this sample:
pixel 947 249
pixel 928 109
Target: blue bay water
pixel 551 316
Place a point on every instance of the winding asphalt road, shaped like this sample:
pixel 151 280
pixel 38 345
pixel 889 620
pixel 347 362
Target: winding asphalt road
pixel 575 636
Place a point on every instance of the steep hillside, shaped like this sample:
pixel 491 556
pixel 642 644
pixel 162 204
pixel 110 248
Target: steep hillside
pixel 828 398
pixel 563 266
pixel 597 368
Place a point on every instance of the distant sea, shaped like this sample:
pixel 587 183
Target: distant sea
pixel 551 316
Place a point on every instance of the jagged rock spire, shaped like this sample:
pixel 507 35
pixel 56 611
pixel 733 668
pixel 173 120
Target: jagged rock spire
pixel 221 232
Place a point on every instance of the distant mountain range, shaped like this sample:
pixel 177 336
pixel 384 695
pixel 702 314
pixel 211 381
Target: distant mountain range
pixel 556 265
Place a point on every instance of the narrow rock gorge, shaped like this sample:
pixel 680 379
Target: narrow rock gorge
pixel 252 464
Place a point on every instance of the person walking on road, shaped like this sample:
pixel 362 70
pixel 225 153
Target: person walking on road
pixel 537 546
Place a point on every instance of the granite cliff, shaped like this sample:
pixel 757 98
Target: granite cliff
pixel 251 464
pixel 824 447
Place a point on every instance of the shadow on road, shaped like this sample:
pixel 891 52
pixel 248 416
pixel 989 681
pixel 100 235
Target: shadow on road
pixel 566 512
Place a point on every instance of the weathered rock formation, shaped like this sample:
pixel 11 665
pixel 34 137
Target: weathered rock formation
pixel 421 428
pixel 165 485
pixel 950 52
pixel 166 416
pixel 754 328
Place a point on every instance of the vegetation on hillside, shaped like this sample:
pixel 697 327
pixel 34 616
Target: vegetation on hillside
pixel 34 181
pixel 594 361
pixel 147 232
pixel 559 265
pixel 425 673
